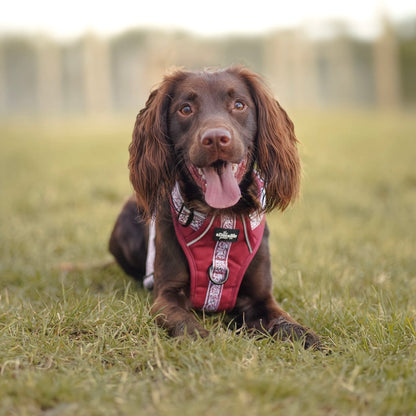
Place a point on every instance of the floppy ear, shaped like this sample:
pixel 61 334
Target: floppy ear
pixel 277 156
pixel 151 163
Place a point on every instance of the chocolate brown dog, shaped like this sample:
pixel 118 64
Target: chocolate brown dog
pixel 211 153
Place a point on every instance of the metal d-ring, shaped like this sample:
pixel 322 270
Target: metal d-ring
pixel 210 270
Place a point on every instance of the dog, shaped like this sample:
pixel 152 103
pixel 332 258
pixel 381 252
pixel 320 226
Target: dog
pixel 211 153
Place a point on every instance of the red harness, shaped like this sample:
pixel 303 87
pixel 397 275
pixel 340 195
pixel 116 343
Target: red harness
pixel 218 249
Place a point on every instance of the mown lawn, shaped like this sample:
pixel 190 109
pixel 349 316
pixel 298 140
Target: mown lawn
pixel 81 341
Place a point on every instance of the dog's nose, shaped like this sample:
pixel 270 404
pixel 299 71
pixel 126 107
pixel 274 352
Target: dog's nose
pixel 216 137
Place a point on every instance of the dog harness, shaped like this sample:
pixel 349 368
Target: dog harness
pixel 218 248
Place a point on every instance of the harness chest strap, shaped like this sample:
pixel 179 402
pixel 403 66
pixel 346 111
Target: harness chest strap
pixel 219 250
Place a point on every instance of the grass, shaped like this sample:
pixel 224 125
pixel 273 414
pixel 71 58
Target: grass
pixel 82 341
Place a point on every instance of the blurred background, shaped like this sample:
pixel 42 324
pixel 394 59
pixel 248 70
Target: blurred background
pixel 89 58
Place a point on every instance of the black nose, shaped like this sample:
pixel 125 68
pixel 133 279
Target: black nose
pixel 219 136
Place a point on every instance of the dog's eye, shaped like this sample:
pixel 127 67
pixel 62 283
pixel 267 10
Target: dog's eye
pixel 239 105
pixel 186 110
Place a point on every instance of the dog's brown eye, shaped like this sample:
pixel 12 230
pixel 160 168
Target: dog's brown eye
pixel 238 105
pixel 186 110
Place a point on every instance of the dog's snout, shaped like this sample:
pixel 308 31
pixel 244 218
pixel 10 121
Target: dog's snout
pixel 216 137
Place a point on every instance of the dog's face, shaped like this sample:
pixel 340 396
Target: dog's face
pixel 212 125
pixel 207 130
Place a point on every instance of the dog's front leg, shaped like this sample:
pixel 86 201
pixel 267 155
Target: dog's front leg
pixel 267 316
pixel 173 313
pixel 264 315
pixel 172 307
pixel 259 311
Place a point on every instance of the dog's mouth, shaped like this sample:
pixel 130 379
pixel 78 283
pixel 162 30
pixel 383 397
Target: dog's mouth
pixel 220 182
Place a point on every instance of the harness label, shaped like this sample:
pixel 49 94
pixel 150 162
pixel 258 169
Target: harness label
pixel 228 235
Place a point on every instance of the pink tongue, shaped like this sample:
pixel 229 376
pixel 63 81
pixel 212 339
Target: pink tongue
pixel 222 191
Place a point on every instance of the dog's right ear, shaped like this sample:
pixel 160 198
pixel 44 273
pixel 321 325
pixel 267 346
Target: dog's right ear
pixel 151 163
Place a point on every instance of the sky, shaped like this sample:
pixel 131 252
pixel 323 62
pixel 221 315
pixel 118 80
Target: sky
pixel 69 19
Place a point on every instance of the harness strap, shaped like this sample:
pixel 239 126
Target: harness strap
pixel 148 281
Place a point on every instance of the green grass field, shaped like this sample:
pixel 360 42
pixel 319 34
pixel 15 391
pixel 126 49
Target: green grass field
pixel 82 342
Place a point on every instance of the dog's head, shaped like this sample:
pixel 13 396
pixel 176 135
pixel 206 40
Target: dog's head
pixel 208 130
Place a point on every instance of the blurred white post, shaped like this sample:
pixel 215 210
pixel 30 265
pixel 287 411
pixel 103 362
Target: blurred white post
pixel 387 77
pixel 278 67
pixel 49 77
pixel 2 81
pixel 96 75
pixel 289 65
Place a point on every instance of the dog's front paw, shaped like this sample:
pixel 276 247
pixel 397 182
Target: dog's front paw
pixel 283 329
pixel 191 329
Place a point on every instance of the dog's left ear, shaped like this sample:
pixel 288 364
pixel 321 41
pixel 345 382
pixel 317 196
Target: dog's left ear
pixel 277 156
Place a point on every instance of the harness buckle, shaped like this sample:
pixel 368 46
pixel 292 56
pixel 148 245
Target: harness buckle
pixel 190 217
